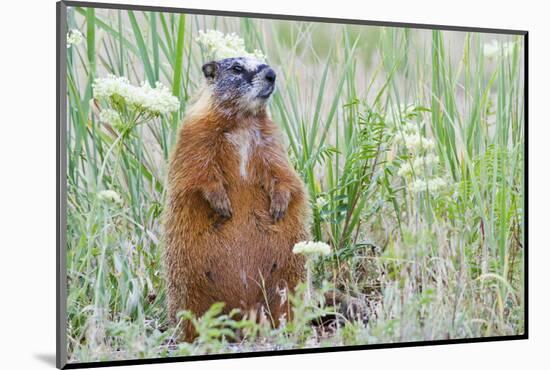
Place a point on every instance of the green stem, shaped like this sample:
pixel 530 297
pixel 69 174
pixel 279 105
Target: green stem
pixel 309 278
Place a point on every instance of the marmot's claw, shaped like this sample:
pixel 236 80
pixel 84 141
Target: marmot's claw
pixel 277 215
pixel 224 212
pixel 224 209
pixel 279 205
pixel 220 203
pixel 277 211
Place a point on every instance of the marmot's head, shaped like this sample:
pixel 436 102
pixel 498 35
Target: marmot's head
pixel 243 84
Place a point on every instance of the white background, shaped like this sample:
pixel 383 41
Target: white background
pixel 27 182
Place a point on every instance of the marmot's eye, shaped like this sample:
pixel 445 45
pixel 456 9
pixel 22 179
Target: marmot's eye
pixel 237 68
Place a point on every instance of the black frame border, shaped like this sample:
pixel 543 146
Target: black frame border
pixel 61 191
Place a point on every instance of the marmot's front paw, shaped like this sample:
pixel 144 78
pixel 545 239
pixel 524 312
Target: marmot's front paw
pixel 279 205
pixel 219 201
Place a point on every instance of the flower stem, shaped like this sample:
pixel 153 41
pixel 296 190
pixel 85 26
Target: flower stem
pixel 309 282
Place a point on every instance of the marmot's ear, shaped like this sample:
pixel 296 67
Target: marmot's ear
pixel 210 70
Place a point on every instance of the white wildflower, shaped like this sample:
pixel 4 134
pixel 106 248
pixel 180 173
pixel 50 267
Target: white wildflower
pixel 321 201
pixel 420 170
pixel 218 45
pixel 157 100
pixel 427 144
pixel 415 141
pixel 311 248
pixel 109 196
pixel 405 169
pixel 428 160
pixel 421 164
pixel 411 128
pixel 74 37
pixel 418 185
pixel 111 117
pixel 436 184
pixel 431 185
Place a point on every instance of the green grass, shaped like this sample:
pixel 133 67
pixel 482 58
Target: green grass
pixel 426 265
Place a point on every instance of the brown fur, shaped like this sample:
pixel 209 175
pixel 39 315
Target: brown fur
pixel 229 238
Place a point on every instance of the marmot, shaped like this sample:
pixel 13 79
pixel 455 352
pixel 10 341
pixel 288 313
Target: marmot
pixel 235 206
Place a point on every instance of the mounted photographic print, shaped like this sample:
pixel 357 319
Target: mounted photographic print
pixel 234 184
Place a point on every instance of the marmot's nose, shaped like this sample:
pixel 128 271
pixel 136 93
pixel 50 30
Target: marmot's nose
pixel 270 75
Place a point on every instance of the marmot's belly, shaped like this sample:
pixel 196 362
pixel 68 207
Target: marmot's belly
pixel 242 258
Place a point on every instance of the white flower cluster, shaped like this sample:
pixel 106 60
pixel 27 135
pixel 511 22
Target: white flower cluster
pixel 432 185
pixel 220 46
pixel 420 168
pixel 109 196
pixel 311 248
pixel 417 141
pixel 110 116
pixel 411 137
pixel 74 37
pixel 419 164
pixel 492 49
pixel 157 100
pixel 321 201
